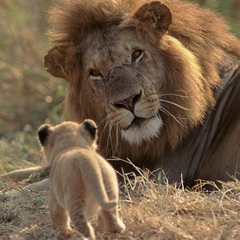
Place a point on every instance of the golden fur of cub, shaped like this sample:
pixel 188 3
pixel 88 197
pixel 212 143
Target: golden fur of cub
pixel 82 182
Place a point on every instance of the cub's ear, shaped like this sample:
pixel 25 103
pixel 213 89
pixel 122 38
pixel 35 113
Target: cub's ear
pixel 153 17
pixel 54 61
pixel 91 127
pixel 44 132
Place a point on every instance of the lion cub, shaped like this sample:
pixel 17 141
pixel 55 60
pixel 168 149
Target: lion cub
pixel 81 181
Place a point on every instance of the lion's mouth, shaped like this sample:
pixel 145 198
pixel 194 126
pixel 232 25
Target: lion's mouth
pixel 142 129
pixel 137 122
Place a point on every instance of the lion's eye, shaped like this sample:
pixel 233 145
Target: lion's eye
pixel 95 73
pixel 137 55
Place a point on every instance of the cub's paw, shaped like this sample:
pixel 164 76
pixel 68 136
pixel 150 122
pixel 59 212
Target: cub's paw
pixel 119 227
pixel 65 234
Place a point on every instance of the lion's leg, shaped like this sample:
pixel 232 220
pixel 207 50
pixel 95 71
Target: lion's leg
pixel 21 174
pixel 33 187
pixel 38 184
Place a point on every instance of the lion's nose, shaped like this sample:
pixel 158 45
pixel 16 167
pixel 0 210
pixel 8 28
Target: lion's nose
pixel 128 103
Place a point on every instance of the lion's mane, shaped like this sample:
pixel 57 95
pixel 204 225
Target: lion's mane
pixel 195 49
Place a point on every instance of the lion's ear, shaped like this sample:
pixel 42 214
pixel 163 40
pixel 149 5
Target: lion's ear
pixel 54 61
pixel 152 17
pixel 156 14
pixel 44 132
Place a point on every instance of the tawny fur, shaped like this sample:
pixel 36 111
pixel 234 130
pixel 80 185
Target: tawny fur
pixel 81 181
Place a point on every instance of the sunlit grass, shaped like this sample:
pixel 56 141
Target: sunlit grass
pixel 18 151
pixel 149 210
pixel 28 93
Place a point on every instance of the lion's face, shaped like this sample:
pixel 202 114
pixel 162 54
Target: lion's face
pixel 129 77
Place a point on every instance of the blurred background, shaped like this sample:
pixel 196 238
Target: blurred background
pixel 29 96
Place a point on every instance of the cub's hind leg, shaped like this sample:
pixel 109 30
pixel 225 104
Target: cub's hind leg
pixel 59 217
pixel 109 219
pixel 81 224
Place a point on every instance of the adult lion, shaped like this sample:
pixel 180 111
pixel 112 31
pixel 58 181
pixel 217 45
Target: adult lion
pixel 161 79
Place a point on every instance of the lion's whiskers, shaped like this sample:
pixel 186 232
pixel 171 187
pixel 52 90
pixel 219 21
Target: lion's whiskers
pixel 108 136
pixel 167 112
pixel 174 104
pixel 173 94
pixel 117 136
pixel 103 118
pixel 103 130
pixel 164 110
pixel 107 129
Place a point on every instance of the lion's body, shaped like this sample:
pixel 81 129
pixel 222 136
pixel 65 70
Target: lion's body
pixel 81 181
pixel 160 79
pixel 152 79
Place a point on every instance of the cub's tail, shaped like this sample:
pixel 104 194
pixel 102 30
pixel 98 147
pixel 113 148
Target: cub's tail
pixel 98 188
pixel 102 196
pixel 108 205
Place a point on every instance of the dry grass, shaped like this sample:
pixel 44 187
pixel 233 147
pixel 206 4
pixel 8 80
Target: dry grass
pixel 149 210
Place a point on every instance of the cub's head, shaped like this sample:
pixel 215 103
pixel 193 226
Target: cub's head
pixel 67 135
